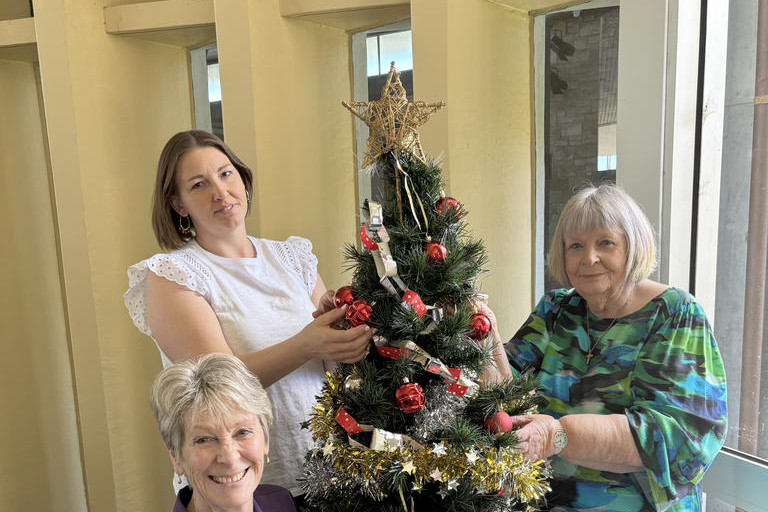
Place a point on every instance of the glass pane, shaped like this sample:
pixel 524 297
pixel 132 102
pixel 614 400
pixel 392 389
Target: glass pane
pixel 214 85
pixel 214 91
pixel 206 89
pixel 740 307
pixel 372 49
pixel 382 49
pixel 580 107
pixel 396 47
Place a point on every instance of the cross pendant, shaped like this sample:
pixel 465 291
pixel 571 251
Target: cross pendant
pixel 589 357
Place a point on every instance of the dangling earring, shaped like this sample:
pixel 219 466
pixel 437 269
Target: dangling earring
pixel 248 195
pixel 185 230
pixel 267 458
pixel 178 478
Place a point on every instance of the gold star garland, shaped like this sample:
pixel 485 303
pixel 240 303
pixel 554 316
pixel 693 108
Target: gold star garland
pixel 393 122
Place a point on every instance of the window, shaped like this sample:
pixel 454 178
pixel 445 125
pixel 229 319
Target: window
pixel 695 186
pixel 579 53
pixel 372 53
pixel 206 87
pixel 734 239
pixel 384 47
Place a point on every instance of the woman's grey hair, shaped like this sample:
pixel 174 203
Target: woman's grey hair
pixel 212 385
pixel 605 206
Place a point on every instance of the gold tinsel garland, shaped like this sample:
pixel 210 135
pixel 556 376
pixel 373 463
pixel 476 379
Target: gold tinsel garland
pixel 490 469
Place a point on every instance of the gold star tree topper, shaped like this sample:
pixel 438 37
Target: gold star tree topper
pixel 393 122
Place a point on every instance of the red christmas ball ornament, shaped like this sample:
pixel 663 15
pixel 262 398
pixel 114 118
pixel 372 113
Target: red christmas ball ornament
pixel 410 397
pixel 358 313
pixel 498 423
pixel 446 203
pixel 344 295
pixel 481 326
pixel 436 252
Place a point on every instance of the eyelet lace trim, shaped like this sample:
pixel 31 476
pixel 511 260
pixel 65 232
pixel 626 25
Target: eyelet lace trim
pixel 180 268
pixel 296 252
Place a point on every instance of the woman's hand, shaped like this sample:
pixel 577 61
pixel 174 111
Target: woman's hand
pixel 536 434
pixel 324 303
pixel 598 441
pixel 323 341
pixel 499 369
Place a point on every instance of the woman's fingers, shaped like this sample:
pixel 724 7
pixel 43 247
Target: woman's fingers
pixel 534 435
pixel 331 316
pixel 349 346
pixel 521 420
pixel 325 305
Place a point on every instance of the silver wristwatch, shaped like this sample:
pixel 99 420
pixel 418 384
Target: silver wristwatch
pixel 560 439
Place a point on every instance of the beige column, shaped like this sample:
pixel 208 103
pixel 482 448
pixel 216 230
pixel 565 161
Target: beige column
pixel 282 83
pixel 110 102
pixel 39 439
pixel 476 55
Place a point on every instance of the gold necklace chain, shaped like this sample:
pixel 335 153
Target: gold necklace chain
pixel 598 340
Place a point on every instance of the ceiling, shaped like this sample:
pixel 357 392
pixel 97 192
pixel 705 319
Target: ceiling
pixel 537 6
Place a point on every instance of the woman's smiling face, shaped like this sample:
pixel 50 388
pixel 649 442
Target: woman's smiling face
pixel 595 261
pixel 223 461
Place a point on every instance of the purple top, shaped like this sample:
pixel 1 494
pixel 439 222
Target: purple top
pixel 266 498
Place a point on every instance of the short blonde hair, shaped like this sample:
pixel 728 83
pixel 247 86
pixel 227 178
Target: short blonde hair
pixel 214 385
pixel 610 207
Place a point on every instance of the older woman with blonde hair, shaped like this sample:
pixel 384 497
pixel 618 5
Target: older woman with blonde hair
pixel 634 384
pixel 214 418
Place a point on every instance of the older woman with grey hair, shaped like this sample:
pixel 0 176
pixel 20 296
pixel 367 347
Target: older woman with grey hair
pixel 214 418
pixel 633 380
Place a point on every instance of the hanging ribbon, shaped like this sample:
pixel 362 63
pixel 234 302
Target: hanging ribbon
pixel 406 180
pixel 374 236
pixel 349 423
pixel 381 440
pixel 458 383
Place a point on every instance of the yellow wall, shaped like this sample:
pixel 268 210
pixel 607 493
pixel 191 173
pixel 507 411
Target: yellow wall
pixel 75 371
pixel 476 55
pixel 38 431
pixel 283 81
pixel 110 102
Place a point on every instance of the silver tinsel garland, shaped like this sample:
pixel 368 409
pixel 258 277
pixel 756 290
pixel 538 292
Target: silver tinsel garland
pixel 440 407
pixel 322 481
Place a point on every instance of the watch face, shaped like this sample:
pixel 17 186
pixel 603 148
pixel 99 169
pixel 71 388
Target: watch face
pixel 559 441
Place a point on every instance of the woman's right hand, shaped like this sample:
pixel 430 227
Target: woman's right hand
pixel 323 341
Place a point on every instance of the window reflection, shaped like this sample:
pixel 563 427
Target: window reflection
pixel 580 107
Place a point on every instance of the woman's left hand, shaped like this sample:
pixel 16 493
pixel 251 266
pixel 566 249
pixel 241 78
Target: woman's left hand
pixel 535 435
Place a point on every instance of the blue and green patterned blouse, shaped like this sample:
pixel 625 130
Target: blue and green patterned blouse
pixel 659 366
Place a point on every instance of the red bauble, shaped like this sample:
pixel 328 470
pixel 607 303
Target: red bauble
pixel 344 295
pixel 446 203
pixel 436 252
pixel 498 423
pixel 358 313
pixel 481 326
pixel 410 397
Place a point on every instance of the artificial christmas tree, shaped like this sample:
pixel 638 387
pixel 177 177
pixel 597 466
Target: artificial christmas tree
pixel 410 428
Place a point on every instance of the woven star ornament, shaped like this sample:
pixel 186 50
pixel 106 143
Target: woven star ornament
pixel 393 122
